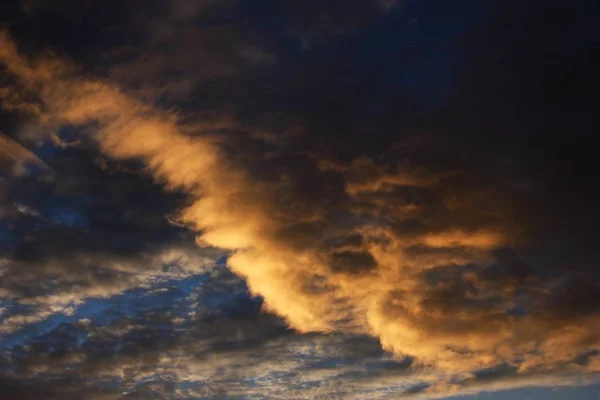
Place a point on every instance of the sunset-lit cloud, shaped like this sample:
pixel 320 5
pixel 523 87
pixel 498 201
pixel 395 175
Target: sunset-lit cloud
pixel 344 199
pixel 379 283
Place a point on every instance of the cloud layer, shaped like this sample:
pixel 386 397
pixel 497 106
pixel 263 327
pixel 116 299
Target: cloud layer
pixel 445 231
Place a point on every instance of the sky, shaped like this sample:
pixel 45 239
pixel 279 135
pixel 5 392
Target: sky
pixel 359 199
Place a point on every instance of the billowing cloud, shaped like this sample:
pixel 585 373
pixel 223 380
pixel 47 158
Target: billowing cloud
pixel 439 231
pixel 386 252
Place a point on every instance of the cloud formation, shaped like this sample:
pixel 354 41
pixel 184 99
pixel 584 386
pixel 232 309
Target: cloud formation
pixel 461 252
pixel 350 262
pixel 228 350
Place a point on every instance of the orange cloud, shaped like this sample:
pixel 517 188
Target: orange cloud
pixel 426 288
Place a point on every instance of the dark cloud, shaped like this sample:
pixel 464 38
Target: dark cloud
pixel 309 19
pixel 352 262
pixel 422 172
pixel 76 225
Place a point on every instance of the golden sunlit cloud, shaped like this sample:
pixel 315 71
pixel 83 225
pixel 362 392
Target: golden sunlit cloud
pixel 360 265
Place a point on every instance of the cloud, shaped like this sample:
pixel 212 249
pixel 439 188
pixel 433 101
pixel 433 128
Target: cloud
pixel 312 20
pixel 77 232
pixel 449 250
pixel 56 290
pixel 377 286
pixel 15 157
pixel 240 356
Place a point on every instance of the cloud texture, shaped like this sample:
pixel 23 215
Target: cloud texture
pixel 460 251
